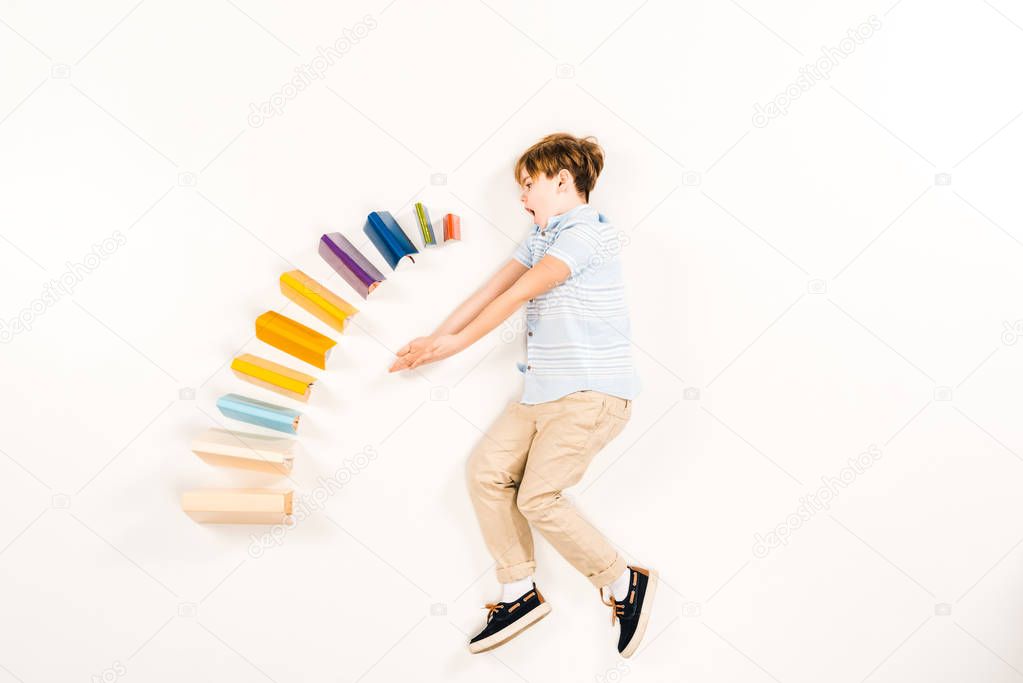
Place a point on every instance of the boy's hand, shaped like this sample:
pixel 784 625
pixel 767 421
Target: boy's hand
pixel 427 350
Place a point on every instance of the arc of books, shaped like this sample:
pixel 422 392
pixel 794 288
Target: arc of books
pixel 275 455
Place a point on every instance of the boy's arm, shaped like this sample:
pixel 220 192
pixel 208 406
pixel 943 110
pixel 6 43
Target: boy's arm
pixel 471 307
pixel 548 273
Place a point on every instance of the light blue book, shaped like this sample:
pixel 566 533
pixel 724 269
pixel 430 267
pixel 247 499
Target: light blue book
pixel 255 412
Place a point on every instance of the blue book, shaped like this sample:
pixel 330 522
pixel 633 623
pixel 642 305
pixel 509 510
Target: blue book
pixel 388 237
pixel 260 413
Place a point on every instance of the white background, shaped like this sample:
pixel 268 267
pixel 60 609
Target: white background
pixel 809 282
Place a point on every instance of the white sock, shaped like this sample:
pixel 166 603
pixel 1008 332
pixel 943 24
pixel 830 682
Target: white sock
pixel 620 586
pixel 510 592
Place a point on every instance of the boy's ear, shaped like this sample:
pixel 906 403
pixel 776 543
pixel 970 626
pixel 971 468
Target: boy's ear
pixel 564 179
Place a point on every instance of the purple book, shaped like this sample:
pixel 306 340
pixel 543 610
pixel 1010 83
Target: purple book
pixel 349 263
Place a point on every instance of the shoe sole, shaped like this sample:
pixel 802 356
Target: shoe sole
pixel 644 617
pixel 504 636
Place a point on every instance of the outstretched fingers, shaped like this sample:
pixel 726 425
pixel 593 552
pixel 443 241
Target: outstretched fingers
pixel 422 358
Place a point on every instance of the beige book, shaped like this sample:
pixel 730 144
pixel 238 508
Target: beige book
pixel 238 506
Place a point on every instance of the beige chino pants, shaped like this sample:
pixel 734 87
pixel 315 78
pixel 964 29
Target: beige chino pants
pixel 518 470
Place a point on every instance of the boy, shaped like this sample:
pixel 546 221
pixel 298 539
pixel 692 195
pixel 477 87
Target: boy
pixel 579 386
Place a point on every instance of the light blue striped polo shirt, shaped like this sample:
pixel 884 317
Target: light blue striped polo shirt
pixel 577 334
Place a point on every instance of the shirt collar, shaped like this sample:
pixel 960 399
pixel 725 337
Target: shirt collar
pixel 554 221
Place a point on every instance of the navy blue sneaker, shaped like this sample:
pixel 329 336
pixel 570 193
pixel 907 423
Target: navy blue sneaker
pixel 633 612
pixel 505 620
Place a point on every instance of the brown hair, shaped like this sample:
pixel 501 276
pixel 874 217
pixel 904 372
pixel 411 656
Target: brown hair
pixel 582 157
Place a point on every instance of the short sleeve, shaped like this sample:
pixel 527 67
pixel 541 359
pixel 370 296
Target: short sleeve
pixel 522 253
pixel 579 246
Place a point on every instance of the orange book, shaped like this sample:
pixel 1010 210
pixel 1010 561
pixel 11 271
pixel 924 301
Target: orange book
pixel 452 227
pixel 294 338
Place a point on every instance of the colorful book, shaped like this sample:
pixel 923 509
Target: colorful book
pixel 261 413
pixel 350 264
pixel 317 299
pixel 423 219
pixel 225 448
pixel 388 237
pixel 238 506
pixel 292 337
pixel 452 227
pixel 273 376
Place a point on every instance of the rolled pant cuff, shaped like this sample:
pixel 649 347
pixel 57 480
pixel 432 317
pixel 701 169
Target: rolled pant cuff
pixel 516 571
pixel 605 577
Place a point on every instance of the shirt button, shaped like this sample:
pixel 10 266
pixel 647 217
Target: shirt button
pixel 529 334
pixel 529 367
pixel 530 301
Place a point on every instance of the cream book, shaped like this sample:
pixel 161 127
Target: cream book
pixel 225 448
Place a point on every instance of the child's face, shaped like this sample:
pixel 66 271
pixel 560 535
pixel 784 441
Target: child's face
pixel 542 196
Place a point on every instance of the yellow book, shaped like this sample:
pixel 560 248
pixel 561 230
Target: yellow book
pixel 273 376
pixel 238 506
pixel 317 299
pixel 293 337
